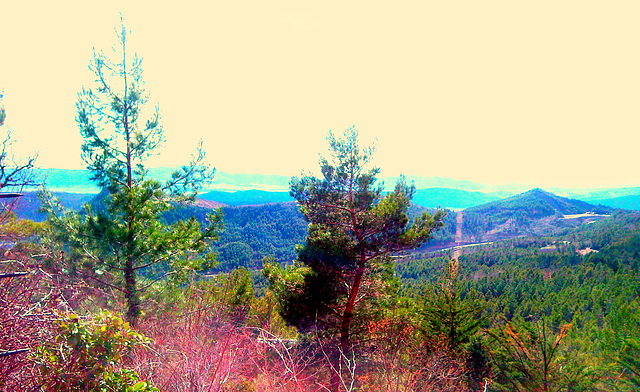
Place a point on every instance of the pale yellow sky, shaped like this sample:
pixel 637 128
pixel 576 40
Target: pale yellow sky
pixel 545 93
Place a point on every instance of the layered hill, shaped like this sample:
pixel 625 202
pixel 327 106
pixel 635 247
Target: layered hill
pixel 251 232
pixel 246 197
pixel 271 227
pixel 432 192
pixel 532 213
pixel 455 199
pixel 631 202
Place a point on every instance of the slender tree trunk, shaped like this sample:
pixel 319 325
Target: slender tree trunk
pixel 131 291
pixel 131 294
pixel 345 329
pixel 347 316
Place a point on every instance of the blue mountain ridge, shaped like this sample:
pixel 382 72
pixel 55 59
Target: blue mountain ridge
pixel 433 192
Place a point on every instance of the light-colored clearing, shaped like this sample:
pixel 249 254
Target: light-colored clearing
pixel 585 215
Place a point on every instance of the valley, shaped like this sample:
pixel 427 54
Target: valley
pixel 261 223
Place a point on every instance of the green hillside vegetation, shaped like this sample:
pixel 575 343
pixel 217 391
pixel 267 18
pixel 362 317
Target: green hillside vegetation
pixel 252 233
pixel 545 278
pixel 535 212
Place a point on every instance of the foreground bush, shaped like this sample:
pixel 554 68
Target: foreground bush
pixel 28 303
pixel 88 355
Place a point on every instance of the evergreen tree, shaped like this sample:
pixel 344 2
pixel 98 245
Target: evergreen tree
pixel 621 344
pixel 532 358
pixel 353 231
pixel 448 314
pixel 127 235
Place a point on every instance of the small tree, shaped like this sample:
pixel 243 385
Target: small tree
pixel 531 358
pixel 621 344
pixel 15 174
pixel 447 314
pixel 127 235
pixel 353 231
pixel 454 318
pixel 88 356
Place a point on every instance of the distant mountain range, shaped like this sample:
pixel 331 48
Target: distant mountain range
pixel 433 192
pixel 246 197
pixel 260 223
pixel 631 202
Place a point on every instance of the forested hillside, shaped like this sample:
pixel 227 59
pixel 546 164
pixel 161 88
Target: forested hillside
pixel 523 272
pixel 586 279
pixel 253 232
pixel 535 212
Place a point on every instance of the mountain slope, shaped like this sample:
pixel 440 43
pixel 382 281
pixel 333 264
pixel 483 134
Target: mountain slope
pixel 27 207
pixel 252 233
pixel 451 198
pixel 537 203
pixel 248 197
pixel 626 202
pixel 535 212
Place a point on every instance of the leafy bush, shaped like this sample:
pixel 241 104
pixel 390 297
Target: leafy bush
pixel 87 356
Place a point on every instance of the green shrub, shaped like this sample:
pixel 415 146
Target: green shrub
pixel 88 356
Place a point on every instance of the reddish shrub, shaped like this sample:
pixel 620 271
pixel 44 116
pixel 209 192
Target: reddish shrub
pixel 27 310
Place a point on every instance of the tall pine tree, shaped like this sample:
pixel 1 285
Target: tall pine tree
pixel 354 229
pixel 127 235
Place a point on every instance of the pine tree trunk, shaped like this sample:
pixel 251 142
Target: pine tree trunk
pixel 347 316
pixel 345 330
pixel 131 294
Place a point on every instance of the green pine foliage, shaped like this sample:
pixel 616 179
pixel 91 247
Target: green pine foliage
pixel 447 314
pixel 125 235
pixel 354 229
pixel 621 343
pixel 530 358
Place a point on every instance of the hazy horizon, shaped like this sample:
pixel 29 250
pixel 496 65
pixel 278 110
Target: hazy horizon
pixel 423 182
